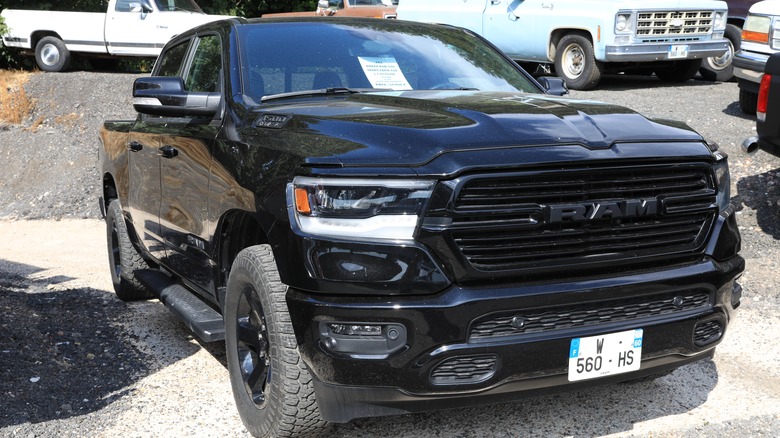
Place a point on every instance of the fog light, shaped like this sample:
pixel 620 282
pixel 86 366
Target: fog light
pixel 356 330
pixel 362 340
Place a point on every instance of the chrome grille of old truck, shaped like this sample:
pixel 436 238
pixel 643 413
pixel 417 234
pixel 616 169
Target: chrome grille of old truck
pixel 673 24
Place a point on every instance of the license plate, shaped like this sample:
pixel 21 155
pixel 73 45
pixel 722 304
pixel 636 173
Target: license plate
pixel 678 51
pixel 605 355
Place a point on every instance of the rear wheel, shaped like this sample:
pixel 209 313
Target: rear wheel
pixel 748 101
pixel 123 258
pixel 576 64
pixel 273 390
pixel 680 71
pixel 51 54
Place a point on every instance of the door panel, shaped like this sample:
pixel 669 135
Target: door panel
pixel 187 148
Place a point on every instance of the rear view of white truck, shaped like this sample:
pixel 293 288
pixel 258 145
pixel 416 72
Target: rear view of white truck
pixel 128 28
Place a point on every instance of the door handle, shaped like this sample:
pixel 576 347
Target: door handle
pixel 168 152
pixel 135 146
pixel 495 2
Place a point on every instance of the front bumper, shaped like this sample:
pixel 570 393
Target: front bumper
pixel 749 66
pixel 439 332
pixel 648 52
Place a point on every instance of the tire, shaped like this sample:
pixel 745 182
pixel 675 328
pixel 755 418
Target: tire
pixel 576 63
pixel 748 101
pixel 51 54
pixel 719 68
pixel 680 71
pixel 273 390
pixel 123 258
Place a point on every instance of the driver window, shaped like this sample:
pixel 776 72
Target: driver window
pixel 204 74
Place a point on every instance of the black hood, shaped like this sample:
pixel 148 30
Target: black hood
pixel 412 128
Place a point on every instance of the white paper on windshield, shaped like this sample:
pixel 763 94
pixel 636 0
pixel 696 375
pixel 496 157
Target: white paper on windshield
pixel 384 72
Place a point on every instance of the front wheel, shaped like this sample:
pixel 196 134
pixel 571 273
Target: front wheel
pixel 576 64
pixel 719 68
pixel 273 390
pixel 680 71
pixel 51 54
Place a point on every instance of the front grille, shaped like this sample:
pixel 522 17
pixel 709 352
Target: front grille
pixel 465 370
pixel 499 222
pixel 707 332
pixel 557 318
pixel 673 24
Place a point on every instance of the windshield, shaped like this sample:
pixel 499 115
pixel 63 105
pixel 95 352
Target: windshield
pixel 178 5
pixel 290 57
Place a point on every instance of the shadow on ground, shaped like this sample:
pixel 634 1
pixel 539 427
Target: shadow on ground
pixel 62 352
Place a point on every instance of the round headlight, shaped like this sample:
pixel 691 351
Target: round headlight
pixel 622 23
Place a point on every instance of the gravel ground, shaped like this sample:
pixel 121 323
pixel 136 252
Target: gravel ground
pixel 75 361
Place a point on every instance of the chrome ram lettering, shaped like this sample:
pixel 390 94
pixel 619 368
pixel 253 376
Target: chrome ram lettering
pixel 601 210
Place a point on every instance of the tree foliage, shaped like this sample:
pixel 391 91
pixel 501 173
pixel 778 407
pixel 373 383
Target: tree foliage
pixel 242 8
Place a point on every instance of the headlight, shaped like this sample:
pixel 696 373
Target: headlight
pixel 622 23
pixel 359 209
pixel 722 179
pixel 720 20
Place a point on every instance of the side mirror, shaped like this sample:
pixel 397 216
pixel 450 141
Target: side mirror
pixel 146 6
pixel 323 4
pixel 553 85
pixel 165 96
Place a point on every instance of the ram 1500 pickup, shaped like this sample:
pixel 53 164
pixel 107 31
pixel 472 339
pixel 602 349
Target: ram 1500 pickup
pixel 585 39
pixel 382 217
pixel 127 28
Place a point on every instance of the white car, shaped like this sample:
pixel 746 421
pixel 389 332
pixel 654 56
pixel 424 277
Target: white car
pixel 760 39
pixel 127 28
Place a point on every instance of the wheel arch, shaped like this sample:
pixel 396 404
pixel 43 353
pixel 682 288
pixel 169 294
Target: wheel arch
pixel 558 34
pixel 38 35
pixel 236 230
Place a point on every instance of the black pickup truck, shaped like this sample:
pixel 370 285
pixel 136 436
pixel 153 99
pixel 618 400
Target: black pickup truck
pixel 382 217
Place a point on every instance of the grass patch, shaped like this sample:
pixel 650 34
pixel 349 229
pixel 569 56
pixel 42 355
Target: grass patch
pixel 15 105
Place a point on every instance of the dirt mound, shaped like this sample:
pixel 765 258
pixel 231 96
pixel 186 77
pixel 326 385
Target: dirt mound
pixel 48 162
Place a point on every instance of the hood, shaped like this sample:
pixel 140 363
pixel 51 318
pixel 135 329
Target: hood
pixel 412 128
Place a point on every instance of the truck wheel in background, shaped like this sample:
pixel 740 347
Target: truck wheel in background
pixel 123 257
pixel 576 64
pixel 748 101
pixel 719 68
pixel 273 390
pixel 51 54
pixel 680 71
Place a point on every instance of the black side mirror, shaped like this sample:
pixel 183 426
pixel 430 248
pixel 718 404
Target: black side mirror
pixel 165 96
pixel 146 6
pixel 553 85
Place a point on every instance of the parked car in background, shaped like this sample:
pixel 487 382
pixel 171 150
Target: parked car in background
pixel 767 111
pixel 720 68
pixel 760 39
pixel 347 8
pixel 127 28
pixel 585 39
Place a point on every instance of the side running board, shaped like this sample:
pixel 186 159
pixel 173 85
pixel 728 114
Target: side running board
pixel 205 322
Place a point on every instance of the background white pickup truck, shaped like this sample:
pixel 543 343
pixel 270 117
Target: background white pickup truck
pixel 585 38
pixel 128 28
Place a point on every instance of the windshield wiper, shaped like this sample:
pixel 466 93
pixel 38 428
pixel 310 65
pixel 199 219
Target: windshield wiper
pixel 321 91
